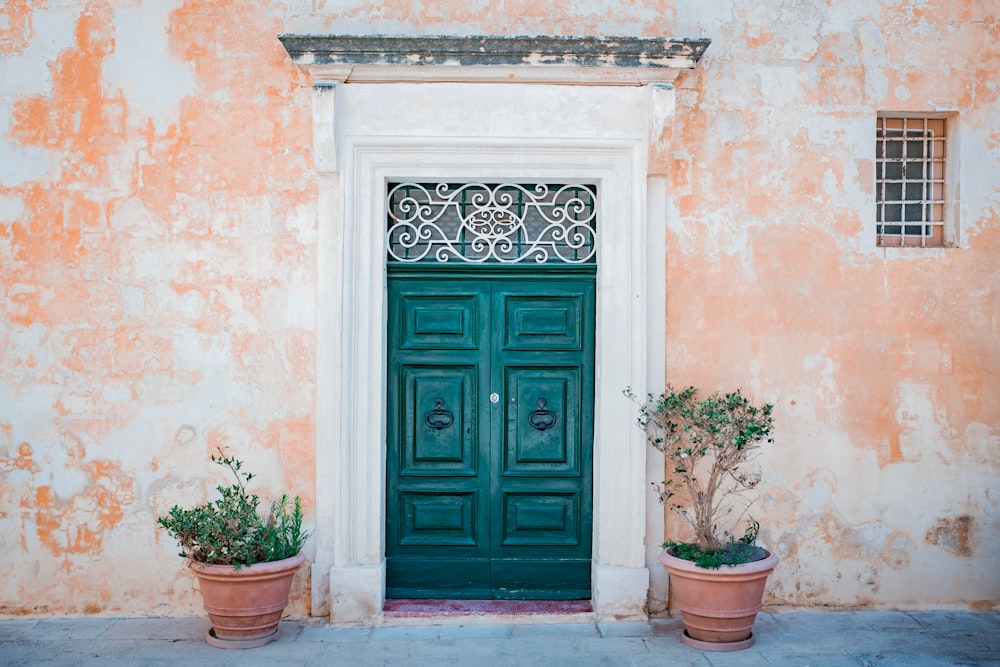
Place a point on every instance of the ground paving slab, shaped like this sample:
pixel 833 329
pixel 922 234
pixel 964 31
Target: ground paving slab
pixel 795 638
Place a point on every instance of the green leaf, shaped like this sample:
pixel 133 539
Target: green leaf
pixel 231 530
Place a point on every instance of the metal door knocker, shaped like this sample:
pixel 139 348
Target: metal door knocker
pixel 439 418
pixel 541 418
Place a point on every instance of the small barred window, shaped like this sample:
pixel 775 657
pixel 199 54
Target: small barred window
pixel 909 181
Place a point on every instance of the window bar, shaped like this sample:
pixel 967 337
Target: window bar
pixel 907 180
pixel 922 138
pixel 924 187
pixel 880 207
pixel 520 214
pixel 409 193
pixel 462 212
pixel 928 185
pixel 394 205
pixel 577 192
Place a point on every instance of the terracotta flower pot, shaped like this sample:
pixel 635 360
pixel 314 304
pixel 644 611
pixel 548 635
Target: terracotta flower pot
pixel 718 607
pixel 245 605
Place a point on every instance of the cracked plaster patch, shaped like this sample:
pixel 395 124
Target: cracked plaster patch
pixel 954 534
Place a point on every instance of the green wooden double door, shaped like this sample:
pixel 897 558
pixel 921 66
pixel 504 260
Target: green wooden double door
pixel 490 430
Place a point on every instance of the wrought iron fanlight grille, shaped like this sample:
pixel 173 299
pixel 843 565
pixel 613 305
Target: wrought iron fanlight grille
pixel 492 222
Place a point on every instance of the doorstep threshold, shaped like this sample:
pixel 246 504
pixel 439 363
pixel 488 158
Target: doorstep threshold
pixel 427 612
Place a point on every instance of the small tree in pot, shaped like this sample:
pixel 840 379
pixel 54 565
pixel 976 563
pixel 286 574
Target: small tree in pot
pixel 244 560
pixel 707 443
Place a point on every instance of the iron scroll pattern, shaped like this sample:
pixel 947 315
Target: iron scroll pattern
pixel 492 222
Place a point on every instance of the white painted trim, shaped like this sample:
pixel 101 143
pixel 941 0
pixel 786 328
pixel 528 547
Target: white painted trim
pixel 540 74
pixel 656 362
pixel 350 437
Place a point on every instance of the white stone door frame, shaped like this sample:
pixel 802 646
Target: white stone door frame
pixel 616 136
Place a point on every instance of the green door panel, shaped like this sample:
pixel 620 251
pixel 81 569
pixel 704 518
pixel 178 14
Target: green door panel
pixel 489 434
pixel 447 578
pixel 440 321
pixel 438 518
pixel 543 322
pixel 563 579
pixel 438 413
pixel 541 519
pixel 543 421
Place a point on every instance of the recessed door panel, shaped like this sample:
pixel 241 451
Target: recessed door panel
pixel 541 519
pixel 438 518
pixel 543 322
pixel 439 407
pixel 439 321
pixel 543 421
pixel 489 433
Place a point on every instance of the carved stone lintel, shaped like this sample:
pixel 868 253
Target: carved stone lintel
pixel 520 59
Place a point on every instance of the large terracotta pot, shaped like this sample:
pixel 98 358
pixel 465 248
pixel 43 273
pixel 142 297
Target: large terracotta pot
pixel 719 607
pixel 245 605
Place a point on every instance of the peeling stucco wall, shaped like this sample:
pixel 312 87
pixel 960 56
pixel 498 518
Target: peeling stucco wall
pixel 157 281
pixel 158 278
pixel 884 365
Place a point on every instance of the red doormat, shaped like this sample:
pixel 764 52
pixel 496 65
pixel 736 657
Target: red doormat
pixel 403 608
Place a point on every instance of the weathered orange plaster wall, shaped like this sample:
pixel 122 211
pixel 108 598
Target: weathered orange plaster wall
pixel 158 278
pixel 157 281
pixel 884 365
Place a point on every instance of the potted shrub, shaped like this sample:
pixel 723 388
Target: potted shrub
pixel 717 580
pixel 244 560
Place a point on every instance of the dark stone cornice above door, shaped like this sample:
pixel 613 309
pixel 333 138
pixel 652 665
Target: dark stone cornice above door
pixel 551 60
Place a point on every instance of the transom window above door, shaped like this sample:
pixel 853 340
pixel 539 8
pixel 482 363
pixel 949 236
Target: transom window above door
pixel 508 223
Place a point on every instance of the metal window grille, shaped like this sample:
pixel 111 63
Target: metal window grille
pixel 909 181
pixel 492 222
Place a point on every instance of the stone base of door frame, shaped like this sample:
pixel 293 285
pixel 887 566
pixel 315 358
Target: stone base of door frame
pixel 619 593
pixel 357 594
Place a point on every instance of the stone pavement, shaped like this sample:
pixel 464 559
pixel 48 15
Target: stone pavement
pixel 796 638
